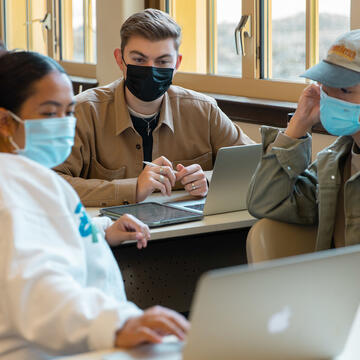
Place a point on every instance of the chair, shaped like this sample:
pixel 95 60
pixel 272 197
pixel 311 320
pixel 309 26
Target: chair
pixel 270 239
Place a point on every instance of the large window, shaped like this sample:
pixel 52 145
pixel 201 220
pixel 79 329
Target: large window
pixel 255 48
pixel 62 29
pixel 301 34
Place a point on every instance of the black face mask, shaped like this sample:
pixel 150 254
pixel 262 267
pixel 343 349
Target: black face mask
pixel 148 83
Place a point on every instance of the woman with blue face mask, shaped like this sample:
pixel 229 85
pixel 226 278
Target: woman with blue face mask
pixel 326 193
pixel 61 289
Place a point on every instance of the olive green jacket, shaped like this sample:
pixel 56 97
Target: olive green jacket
pixel 287 188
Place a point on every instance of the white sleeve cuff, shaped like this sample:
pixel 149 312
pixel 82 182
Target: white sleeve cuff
pixel 102 223
pixel 103 330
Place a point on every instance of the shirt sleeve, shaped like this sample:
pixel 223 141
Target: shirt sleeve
pixel 283 141
pixel 76 168
pixel 45 293
pixel 284 186
pixel 102 223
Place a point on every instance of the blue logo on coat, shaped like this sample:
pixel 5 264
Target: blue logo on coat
pixel 86 228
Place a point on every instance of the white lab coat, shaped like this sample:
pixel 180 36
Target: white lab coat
pixel 61 289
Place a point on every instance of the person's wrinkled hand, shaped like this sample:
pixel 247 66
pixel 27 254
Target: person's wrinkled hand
pixel 151 327
pixel 126 228
pixel 161 177
pixel 307 113
pixel 193 178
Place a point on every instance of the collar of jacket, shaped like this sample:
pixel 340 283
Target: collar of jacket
pixel 122 115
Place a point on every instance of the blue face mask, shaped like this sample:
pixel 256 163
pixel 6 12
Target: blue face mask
pixel 337 116
pixel 47 141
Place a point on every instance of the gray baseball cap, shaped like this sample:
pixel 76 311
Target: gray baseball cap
pixel 341 68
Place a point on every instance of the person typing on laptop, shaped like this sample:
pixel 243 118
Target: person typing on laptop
pixel 144 117
pixel 286 187
pixel 61 288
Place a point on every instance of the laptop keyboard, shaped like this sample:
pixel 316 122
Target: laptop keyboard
pixel 196 206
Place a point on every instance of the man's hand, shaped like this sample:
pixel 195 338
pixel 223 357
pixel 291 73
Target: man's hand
pixel 151 326
pixel 193 178
pixel 161 177
pixel 307 113
pixel 128 227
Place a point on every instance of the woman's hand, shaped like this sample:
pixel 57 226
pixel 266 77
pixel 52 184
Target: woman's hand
pixel 151 326
pixel 128 227
pixel 307 113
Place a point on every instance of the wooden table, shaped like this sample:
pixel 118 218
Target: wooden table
pixel 166 271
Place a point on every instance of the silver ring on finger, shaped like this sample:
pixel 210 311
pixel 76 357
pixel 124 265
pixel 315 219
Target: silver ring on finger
pixel 161 171
pixel 161 178
pixel 193 186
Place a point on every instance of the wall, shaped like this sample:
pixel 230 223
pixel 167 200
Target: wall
pixel 108 34
pixel 355 18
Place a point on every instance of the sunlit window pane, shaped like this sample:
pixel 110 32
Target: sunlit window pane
pixel 93 31
pixel 228 16
pixel 37 32
pixel 16 29
pixel 288 39
pixel 334 20
pixel 78 31
pixel 24 29
pixel 72 31
pixel 191 15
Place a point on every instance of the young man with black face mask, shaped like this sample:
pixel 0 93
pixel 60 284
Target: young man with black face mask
pixel 144 117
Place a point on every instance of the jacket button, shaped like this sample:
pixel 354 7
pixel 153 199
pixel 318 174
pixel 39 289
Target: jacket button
pixel 138 146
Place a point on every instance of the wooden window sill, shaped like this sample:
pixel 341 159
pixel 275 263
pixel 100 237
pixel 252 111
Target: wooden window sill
pixel 258 111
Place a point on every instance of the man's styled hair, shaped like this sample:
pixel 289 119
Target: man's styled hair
pixel 152 24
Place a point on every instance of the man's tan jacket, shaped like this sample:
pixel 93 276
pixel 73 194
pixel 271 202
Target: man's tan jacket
pixel 107 156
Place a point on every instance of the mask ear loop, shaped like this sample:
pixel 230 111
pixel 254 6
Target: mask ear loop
pixel 13 143
pixel 10 138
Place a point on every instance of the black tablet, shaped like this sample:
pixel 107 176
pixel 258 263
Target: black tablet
pixel 152 213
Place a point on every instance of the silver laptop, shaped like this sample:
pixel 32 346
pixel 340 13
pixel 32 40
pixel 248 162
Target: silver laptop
pixel 233 169
pixel 295 308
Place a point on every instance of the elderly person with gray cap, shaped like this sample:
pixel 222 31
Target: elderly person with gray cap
pixel 326 193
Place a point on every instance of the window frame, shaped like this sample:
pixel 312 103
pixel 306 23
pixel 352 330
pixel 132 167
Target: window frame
pixel 71 67
pixel 53 45
pixel 250 84
pixel 2 22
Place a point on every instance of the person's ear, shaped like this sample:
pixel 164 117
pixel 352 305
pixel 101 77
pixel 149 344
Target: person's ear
pixel 6 124
pixel 119 59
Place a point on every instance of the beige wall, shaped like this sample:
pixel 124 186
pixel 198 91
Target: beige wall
pixel 355 18
pixel 320 141
pixel 110 14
